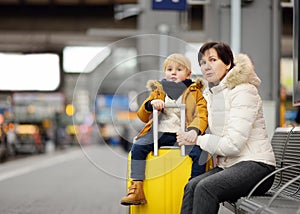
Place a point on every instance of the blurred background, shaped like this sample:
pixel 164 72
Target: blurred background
pixel 67 65
pixel 74 72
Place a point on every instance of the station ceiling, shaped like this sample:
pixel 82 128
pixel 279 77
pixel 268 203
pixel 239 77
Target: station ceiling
pixel 41 25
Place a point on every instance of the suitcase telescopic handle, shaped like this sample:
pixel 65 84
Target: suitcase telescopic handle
pixel 155 125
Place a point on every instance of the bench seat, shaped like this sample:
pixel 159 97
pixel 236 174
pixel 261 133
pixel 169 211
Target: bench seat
pixel 284 195
pixel 258 204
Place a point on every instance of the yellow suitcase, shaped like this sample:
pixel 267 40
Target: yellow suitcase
pixel 166 176
pixel 167 172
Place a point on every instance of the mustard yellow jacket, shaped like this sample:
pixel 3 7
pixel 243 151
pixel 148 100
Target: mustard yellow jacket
pixel 196 111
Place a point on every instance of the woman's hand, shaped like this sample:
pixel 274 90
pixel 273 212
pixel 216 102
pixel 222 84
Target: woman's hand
pixel 158 104
pixel 187 138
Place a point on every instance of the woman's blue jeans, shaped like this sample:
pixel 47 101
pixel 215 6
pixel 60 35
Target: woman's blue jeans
pixel 204 193
pixel 144 145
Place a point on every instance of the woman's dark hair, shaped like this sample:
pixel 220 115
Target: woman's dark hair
pixel 223 50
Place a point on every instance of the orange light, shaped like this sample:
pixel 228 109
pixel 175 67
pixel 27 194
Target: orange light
pixel 126 115
pixel 46 124
pixel 11 126
pixel 70 110
pixel 1 118
pixel 27 129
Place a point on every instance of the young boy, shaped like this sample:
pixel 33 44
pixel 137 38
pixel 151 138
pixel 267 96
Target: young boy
pixel 176 87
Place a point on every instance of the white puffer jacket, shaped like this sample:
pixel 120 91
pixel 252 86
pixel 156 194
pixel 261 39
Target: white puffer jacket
pixel 235 115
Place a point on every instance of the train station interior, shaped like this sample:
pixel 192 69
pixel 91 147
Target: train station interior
pixel 91 53
pixel 74 72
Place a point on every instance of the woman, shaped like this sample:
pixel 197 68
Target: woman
pixel 238 136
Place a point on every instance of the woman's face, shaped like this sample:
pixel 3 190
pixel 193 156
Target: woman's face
pixel 212 67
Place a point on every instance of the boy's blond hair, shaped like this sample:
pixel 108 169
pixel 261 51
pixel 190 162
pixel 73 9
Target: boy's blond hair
pixel 180 59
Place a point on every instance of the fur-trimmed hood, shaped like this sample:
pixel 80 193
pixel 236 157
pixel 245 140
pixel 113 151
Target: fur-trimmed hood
pixel 153 85
pixel 242 72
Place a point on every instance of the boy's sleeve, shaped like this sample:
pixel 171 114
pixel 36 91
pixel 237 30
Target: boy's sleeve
pixel 200 120
pixel 145 111
pixel 148 106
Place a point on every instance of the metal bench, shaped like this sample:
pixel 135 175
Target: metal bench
pixel 284 195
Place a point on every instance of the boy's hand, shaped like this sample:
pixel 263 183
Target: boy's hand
pixel 187 138
pixel 158 104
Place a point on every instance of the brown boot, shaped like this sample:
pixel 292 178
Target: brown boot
pixel 135 194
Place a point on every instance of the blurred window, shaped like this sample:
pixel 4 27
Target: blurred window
pixel 83 59
pixel 29 72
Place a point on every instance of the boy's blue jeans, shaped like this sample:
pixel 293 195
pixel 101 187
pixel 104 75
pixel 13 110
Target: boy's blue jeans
pixel 144 145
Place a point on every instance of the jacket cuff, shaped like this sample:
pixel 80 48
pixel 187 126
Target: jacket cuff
pixel 194 128
pixel 148 106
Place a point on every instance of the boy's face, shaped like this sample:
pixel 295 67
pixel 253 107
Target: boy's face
pixel 176 72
